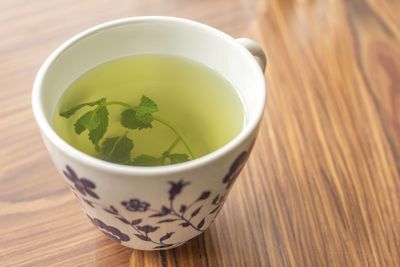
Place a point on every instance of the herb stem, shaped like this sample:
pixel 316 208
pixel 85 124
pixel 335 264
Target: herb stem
pixel 171 147
pixel 162 121
pixel 180 136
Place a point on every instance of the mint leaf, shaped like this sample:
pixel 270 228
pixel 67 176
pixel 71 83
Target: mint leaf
pixel 71 111
pixel 177 158
pixel 79 128
pixel 145 109
pixel 117 149
pixel 90 120
pixel 128 120
pixel 146 160
pixel 147 105
pixel 97 133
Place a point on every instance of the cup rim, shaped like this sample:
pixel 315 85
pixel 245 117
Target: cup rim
pixel 48 131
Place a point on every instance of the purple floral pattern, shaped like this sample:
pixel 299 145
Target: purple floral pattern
pixel 135 204
pixel 82 185
pixel 142 231
pixel 235 169
pixel 185 215
pixel 176 188
pixel 110 231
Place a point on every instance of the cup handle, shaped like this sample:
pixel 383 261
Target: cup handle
pixel 256 50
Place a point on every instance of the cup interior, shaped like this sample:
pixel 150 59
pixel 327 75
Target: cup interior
pixel 154 36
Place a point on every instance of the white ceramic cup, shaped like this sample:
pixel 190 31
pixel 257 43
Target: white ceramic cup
pixel 152 208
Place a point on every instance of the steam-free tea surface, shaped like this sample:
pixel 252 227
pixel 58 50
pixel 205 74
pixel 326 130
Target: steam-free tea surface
pixel 200 103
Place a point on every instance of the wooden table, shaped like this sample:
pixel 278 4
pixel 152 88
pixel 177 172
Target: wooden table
pixel 322 187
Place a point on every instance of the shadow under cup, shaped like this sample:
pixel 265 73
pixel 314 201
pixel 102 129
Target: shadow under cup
pixel 161 207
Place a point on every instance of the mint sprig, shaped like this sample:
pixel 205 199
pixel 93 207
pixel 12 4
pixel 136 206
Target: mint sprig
pixel 118 149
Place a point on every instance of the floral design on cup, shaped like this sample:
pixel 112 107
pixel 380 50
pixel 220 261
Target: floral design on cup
pixel 82 185
pixel 176 188
pixel 110 231
pixel 135 204
pixel 180 214
pixel 142 231
pixel 235 169
pixel 237 166
pixel 184 214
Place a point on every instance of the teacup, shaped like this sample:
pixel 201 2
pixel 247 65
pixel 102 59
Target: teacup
pixel 151 208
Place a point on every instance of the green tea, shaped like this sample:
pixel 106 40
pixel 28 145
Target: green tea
pixel 149 110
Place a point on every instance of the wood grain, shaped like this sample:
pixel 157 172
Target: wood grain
pixel 322 187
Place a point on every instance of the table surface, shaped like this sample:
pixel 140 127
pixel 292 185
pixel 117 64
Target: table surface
pixel 322 186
